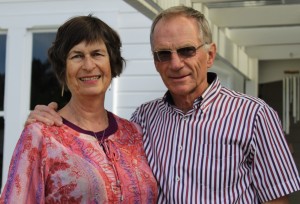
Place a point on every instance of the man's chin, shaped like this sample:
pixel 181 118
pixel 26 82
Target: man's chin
pixel 179 91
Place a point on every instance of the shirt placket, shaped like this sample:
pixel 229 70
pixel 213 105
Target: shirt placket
pixel 178 154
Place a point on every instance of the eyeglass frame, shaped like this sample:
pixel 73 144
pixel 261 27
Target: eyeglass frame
pixel 157 58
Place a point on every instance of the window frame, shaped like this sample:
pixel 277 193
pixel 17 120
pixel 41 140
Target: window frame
pixel 4 32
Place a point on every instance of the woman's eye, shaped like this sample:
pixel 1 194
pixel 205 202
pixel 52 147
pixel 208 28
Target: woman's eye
pixel 76 56
pixel 96 54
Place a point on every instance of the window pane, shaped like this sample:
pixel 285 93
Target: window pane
pixel 1 146
pixel 2 68
pixel 44 85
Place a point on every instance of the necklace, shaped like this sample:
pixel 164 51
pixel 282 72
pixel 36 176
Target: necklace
pixel 102 138
pixel 81 124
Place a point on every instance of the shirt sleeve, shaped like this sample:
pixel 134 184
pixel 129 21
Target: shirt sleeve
pixel 134 116
pixel 274 171
pixel 25 183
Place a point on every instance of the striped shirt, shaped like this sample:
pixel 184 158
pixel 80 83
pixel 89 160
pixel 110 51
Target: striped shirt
pixel 230 148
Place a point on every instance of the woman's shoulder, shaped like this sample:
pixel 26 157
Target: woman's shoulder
pixel 40 130
pixel 39 126
pixel 31 136
pixel 35 127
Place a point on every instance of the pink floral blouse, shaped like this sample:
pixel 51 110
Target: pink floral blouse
pixel 67 164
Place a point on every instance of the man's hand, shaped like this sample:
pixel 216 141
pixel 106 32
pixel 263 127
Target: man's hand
pixel 45 114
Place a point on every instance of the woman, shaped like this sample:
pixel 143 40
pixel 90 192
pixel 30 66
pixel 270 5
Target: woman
pixel 95 157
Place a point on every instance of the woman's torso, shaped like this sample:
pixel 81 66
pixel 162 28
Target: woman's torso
pixel 78 169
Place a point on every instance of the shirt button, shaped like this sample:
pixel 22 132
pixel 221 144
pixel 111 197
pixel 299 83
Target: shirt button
pixel 177 178
pixel 180 148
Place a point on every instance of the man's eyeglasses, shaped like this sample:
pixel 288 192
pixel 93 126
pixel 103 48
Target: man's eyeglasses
pixel 184 52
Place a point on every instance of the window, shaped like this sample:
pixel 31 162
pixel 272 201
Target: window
pixel 2 69
pixel 2 84
pixel 44 85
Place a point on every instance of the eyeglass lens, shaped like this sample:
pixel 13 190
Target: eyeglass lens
pixel 166 55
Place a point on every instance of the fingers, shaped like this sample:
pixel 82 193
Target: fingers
pixel 48 114
pixel 45 114
pixel 53 105
pixel 29 120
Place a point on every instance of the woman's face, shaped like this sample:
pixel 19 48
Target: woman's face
pixel 88 69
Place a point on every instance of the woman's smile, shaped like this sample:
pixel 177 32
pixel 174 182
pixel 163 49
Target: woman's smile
pixel 91 78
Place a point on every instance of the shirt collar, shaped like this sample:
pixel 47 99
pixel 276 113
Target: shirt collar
pixel 212 91
pixel 209 94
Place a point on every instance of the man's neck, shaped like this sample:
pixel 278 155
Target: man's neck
pixel 186 102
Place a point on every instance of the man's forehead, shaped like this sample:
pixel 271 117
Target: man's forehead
pixel 170 37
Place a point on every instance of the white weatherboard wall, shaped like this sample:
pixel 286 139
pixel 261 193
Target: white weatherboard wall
pixel 19 19
pixel 140 81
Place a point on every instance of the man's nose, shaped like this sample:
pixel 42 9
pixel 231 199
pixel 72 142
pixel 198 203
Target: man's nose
pixel 176 61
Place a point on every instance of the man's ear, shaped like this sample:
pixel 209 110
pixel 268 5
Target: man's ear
pixel 212 51
pixel 155 64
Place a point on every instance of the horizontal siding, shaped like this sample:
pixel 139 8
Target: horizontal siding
pixel 140 68
pixel 129 100
pixel 44 7
pixel 125 112
pixel 135 35
pixel 133 20
pixel 124 7
pixel 137 51
pixel 140 84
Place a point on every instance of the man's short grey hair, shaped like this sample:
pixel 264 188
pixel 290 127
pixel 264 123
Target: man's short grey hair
pixel 204 28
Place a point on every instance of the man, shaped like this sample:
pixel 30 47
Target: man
pixel 206 143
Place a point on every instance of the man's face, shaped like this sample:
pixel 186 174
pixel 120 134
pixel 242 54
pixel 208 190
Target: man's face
pixel 182 76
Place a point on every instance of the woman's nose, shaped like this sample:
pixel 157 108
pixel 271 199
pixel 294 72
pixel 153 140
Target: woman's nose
pixel 88 63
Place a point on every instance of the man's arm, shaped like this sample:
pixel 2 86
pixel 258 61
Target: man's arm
pixel 45 114
pixel 282 200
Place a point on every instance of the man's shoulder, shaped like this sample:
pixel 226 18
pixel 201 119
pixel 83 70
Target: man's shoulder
pixel 146 109
pixel 152 103
pixel 235 95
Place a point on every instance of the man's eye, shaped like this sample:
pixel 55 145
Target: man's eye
pixel 187 51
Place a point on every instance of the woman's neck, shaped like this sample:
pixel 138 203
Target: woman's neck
pixel 92 117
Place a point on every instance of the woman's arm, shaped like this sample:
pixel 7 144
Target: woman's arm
pixel 25 183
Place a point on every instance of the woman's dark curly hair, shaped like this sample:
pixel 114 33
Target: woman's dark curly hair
pixel 87 29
